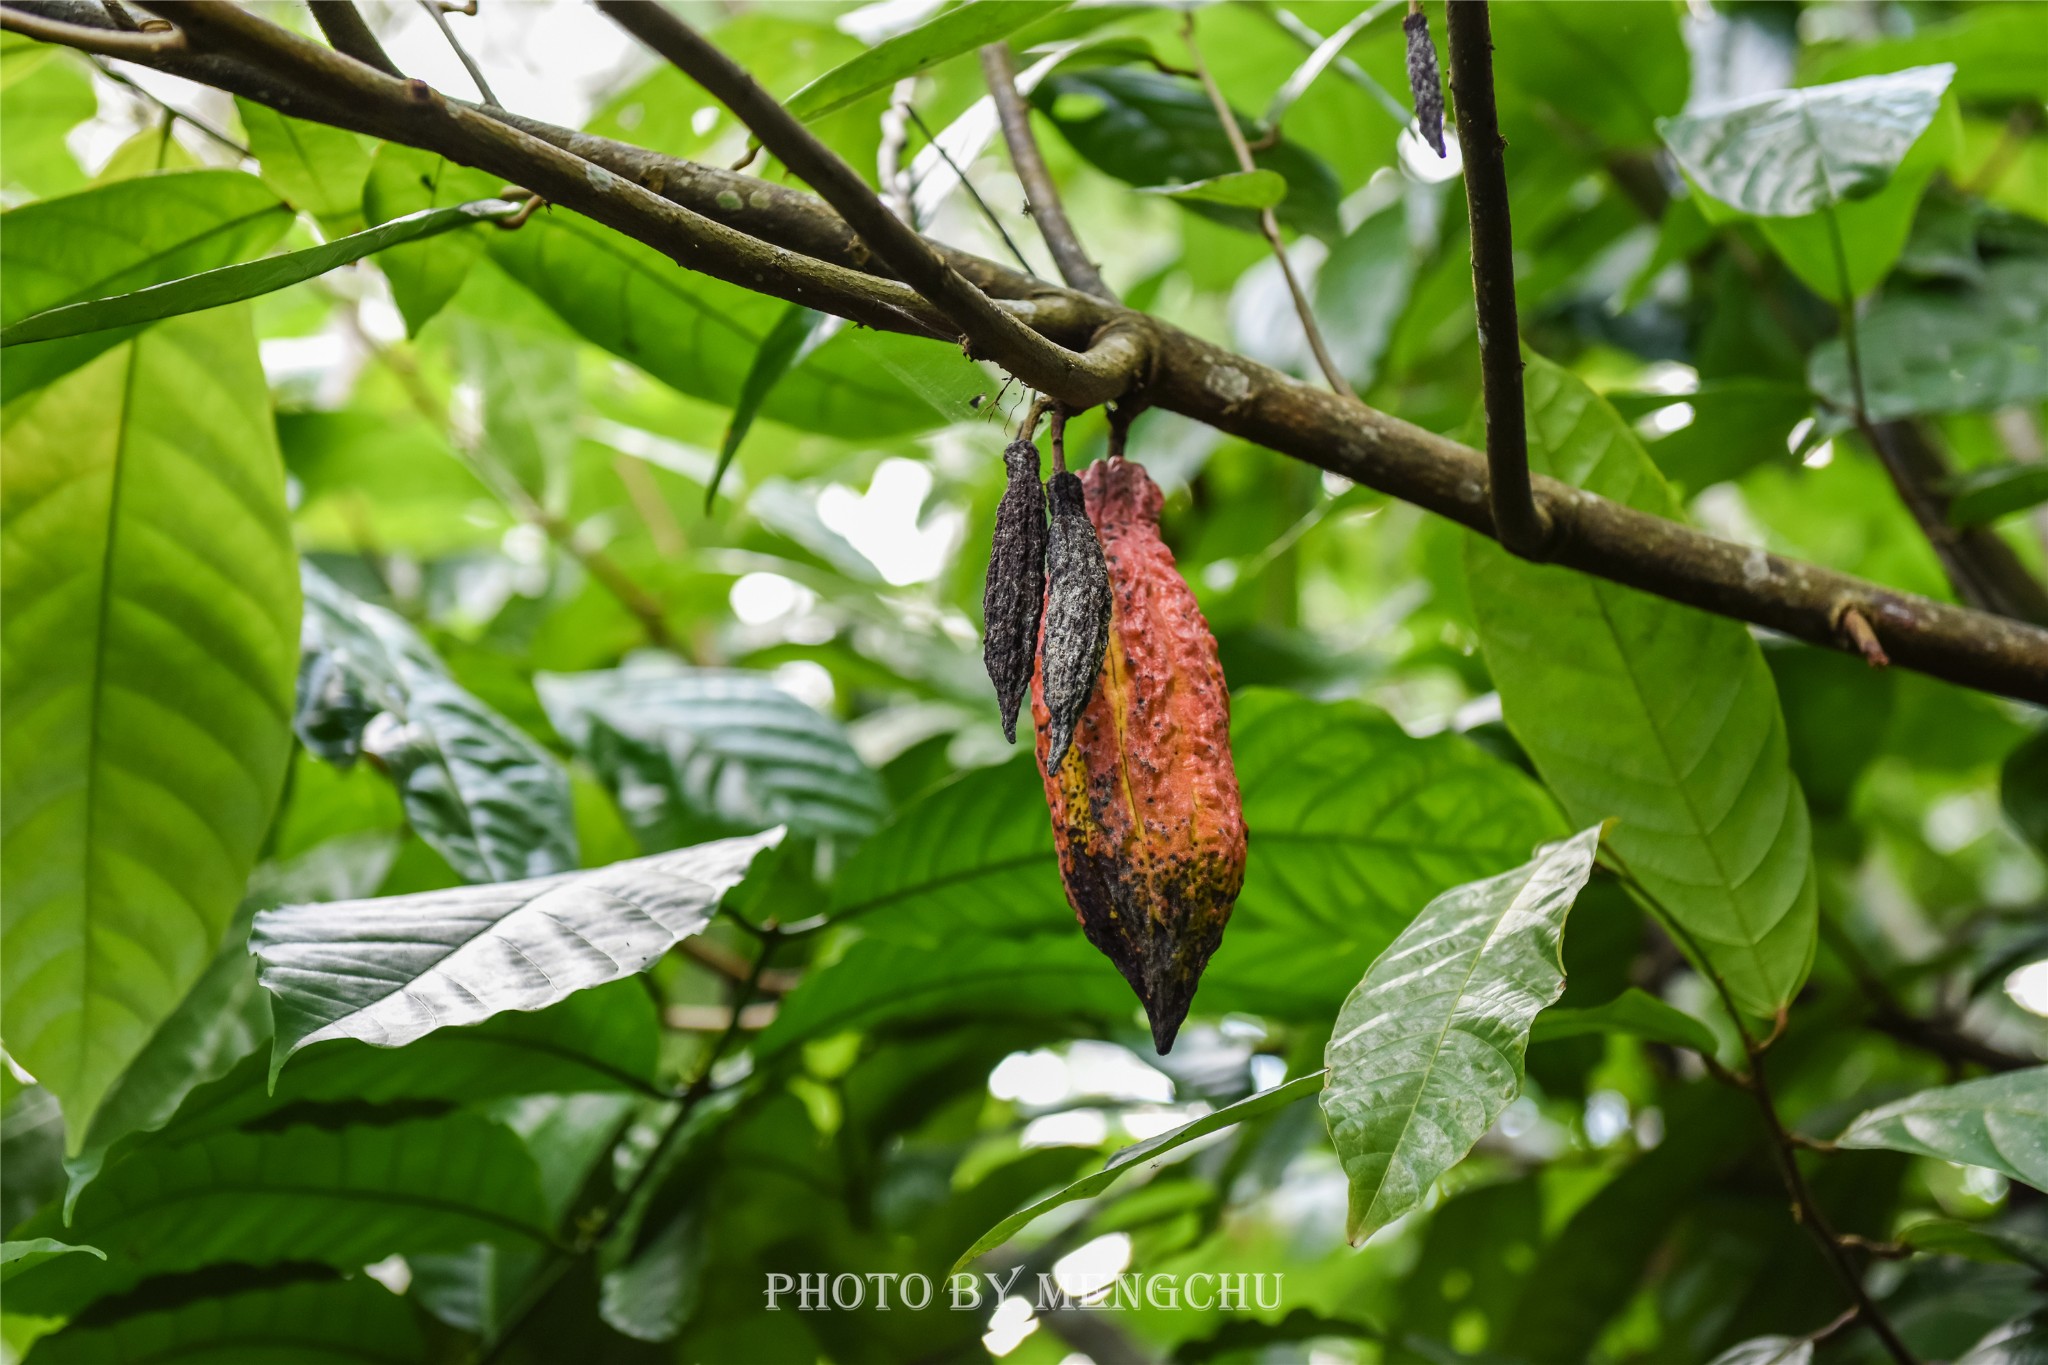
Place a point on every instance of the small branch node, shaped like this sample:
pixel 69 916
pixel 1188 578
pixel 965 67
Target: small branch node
pixel 1855 628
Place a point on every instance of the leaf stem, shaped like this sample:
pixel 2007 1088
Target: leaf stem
pixel 1268 223
pixel 476 73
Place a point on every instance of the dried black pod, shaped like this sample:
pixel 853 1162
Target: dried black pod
pixel 1014 595
pixel 1076 613
pixel 1424 81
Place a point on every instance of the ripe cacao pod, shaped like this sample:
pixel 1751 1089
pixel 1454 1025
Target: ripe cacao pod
pixel 1014 593
pixel 1145 808
pixel 1077 611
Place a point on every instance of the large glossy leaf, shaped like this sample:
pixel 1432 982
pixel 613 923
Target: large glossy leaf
pixel 325 1321
pixel 344 1196
pixel 1355 826
pixel 2000 53
pixel 1655 715
pixel 1634 1012
pixel 45 92
pixel 248 280
pixel 1129 1158
pixel 1148 129
pixel 393 970
pixel 317 168
pixel 699 335
pixel 222 1019
pixel 1428 1050
pixel 2023 1341
pixel 1948 350
pixel 151 614
pixel 424 275
pixel 485 795
pixel 1998 1122
pixel 877 985
pixel 117 238
pixel 1793 152
pixel 694 753
pixel 948 34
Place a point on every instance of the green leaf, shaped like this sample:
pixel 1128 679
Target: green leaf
pixel 1125 1160
pixel 1998 1122
pixel 2021 1342
pixel 651 1296
pixel 1147 129
pixel 1428 1050
pixel 699 335
pixel 1362 291
pixel 117 238
pixel 25 1255
pixel 1948 350
pixel 151 624
pixel 45 92
pixel 1977 1242
pixel 392 970
pixel 1608 71
pixel 1987 495
pixel 317 168
pixel 949 34
pixel 424 275
pixel 1356 826
pixel 877 985
pixel 233 283
pixel 1634 1012
pixel 346 1197
pixel 1788 153
pixel 222 1019
pixel 1235 189
pixel 475 787
pixel 693 753
pixel 336 1321
pixel 794 334
pixel 1656 715
pixel 1768 1351
pixel 2023 790
pixel 1737 424
pixel 2000 53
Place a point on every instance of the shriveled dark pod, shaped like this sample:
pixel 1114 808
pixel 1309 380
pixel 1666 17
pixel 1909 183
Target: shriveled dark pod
pixel 1076 614
pixel 1014 595
pixel 1423 80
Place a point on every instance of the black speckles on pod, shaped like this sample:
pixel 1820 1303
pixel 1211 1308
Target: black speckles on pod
pixel 1424 81
pixel 1076 613
pixel 1014 594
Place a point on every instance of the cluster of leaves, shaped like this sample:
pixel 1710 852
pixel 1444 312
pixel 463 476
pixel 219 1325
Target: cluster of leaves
pixel 417 785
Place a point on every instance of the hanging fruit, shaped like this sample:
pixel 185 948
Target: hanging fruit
pixel 1145 808
pixel 1014 593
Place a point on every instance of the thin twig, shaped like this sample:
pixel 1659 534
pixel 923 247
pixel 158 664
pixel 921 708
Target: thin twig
pixel 960 174
pixel 99 63
pixel 548 1276
pixel 1855 627
pixel 1041 195
pixel 1268 224
pixel 1806 1210
pixel 476 73
pixel 1109 367
pixel 343 24
pixel 1518 522
pixel 108 42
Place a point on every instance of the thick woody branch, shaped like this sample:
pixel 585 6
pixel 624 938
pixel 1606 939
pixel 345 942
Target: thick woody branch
pixel 1520 525
pixel 1041 196
pixel 343 24
pixel 785 243
pixel 1983 568
pixel 1104 372
pixel 108 42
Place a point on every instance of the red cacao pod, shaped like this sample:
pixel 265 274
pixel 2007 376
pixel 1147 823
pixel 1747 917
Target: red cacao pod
pixel 1145 808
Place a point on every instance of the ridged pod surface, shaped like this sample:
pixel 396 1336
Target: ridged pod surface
pixel 1014 593
pixel 1077 611
pixel 1145 808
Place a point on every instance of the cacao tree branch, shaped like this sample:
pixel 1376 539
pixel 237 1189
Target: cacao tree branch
pixel 1518 522
pixel 108 42
pixel 476 73
pixel 1983 568
pixel 783 242
pixel 1107 369
pixel 343 24
pixel 1041 196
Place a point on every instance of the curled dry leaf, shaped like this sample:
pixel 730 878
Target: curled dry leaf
pixel 1424 81
pixel 1145 808
pixel 1014 594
